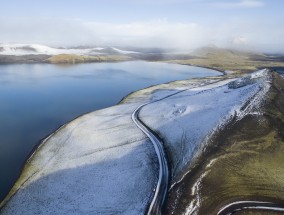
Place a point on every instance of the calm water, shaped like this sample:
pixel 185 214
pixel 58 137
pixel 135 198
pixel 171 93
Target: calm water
pixel 37 99
pixel 281 71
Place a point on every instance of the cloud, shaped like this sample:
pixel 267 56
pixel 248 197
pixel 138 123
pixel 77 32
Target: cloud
pixel 240 4
pixel 44 31
pixel 239 40
pixel 156 33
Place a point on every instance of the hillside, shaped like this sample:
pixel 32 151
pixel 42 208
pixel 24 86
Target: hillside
pixel 35 49
pixel 72 58
pixel 229 60
pixel 211 57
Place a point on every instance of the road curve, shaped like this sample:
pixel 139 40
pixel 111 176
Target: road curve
pixel 163 181
pixel 250 205
pixel 162 185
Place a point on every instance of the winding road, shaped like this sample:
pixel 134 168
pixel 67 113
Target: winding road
pixel 161 190
pixel 163 181
pixel 250 205
pixel 162 185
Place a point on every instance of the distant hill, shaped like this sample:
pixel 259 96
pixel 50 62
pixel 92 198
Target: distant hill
pixel 8 59
pixel 230 60
pixel 72 59
pixel 212 57
pixel 215 52
pixel 34 49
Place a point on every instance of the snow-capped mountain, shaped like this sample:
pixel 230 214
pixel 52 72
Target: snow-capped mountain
pixel 34 49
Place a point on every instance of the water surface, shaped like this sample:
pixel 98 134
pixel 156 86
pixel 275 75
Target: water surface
pixel 37 98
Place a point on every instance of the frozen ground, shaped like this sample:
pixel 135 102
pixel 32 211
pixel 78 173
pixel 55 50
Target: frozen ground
pixel 34 49
pixel 123 51
pixel 98 164
pixel 101 163
pixel 185 121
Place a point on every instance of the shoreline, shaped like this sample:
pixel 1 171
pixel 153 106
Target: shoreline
pixel 132 97
pixel 41 142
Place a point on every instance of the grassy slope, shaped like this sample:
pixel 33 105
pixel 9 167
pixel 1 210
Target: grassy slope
pixel 224 59
pixel 243 162
pixel 216 58
pixel 72 59
pixel 8 59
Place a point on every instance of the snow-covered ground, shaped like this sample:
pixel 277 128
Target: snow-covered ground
pixel 101 163
pixel 98 164
pixel 32 49
pixel 187 119
pixel 123 51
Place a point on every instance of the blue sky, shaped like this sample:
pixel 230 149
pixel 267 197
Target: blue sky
pixel 187 24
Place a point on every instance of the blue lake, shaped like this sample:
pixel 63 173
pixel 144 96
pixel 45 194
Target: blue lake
pixel 281 71
pixel 37 98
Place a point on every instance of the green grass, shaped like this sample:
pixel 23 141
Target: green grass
pixel 246 161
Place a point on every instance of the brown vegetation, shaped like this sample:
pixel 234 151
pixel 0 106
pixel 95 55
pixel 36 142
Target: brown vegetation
pixel 7 59
pixel 243 162
pixel 73 59
pixel 229 60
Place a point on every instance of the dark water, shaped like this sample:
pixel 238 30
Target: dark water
pixel 281 71
pixel 36 99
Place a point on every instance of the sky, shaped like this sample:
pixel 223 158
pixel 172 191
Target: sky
pixel 175 24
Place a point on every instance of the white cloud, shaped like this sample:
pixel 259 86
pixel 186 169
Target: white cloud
pixel 44 30
pixel 157 33
pixel 239 40
pixel 240 4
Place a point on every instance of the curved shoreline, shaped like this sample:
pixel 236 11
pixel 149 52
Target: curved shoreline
pixel 136 112
pixel 41 143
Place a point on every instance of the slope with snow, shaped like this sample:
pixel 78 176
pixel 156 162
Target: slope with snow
pixel 34 49
pixel 101 163
pixel 124 51
pixel 185 120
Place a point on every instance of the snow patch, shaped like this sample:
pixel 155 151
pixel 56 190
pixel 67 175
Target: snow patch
pixel 100 163
pixel 186 120
pixel 124 52
pixel 228 72
pixel 179 110
pixel 259 74
pixel 35 49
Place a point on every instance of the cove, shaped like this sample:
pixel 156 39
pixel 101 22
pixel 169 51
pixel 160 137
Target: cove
pixel 38 98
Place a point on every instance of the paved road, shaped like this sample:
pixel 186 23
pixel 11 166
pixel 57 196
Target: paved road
pixel 163 181
pixel 162 185
pixel 250 205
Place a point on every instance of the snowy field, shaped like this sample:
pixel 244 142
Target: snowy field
pixel 186 120
pixel 98 164
pixel 101 163
pixel 34 49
